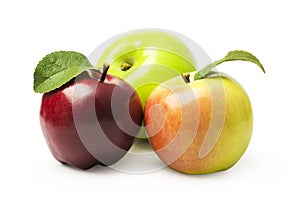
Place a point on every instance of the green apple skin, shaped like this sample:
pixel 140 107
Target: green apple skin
pixel 151 68
pixel 155 56
pixel 163 122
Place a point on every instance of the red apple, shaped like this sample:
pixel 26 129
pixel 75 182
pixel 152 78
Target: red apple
pixel 92 119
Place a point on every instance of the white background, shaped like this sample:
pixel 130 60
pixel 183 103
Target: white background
pixel 270 29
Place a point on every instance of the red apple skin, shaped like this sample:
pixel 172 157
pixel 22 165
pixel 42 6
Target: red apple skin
pixel 75 111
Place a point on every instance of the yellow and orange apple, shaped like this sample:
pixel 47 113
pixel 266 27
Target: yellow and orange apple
pixel 200 123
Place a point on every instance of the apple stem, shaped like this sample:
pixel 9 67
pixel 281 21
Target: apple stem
pixel 186 77
pixel 104 73
pixel 236 55
pixel 125 66
pixel 129 62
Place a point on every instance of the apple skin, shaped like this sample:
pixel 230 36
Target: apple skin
pixel 156 56
pixel 71 115
pixel 168 108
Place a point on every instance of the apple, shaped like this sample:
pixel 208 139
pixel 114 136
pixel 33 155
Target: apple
pixel 146 58
pixel 201 122
pixel 92 119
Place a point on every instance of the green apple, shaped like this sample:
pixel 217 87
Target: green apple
pixel 146 58
pixel 201 123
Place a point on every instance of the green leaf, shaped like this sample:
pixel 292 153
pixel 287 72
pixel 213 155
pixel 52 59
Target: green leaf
pixel 231 56
pixel 57 68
